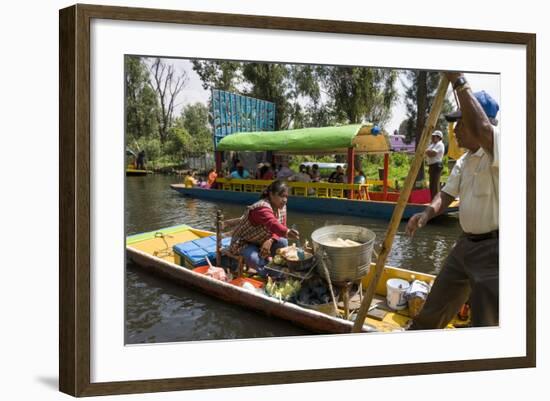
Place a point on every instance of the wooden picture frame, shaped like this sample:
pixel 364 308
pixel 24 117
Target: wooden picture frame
pixel 75 199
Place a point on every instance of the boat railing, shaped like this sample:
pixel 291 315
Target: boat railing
pixel 305 189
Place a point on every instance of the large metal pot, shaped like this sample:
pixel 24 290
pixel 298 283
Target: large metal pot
pixel 343 263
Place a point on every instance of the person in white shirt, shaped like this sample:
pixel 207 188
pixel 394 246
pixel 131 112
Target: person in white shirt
pixel 434 158
pixel 471 270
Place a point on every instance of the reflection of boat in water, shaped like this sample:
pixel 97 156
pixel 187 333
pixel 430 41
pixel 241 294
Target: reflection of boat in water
pixel 375 198
pixel 154 251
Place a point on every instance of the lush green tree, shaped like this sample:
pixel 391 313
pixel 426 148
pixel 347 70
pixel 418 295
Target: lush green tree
pixel 356 94
pixel 141 102
pixel 270 82
pixel 288 86
pixel 194 119
pixel 420 89
pixel 223 75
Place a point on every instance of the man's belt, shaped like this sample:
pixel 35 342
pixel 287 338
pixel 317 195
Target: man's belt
pixel 481 237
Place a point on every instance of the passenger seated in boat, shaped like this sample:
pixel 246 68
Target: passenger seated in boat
pixel 240 173
pixel 284 172
pixel 266 173
pixel 212 175
pixel 259 171
pixel 302 176
pixel 337 176
pixel 359 177
pixel 262 228
pixel 315 173
pixel 190 179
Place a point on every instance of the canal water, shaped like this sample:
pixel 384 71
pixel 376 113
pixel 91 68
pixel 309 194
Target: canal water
pixel 160 311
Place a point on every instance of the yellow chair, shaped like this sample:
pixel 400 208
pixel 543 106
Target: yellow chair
pixel 362 192
pixel 337 191
pixel 299 190
pixel 323 189
pixel 227 226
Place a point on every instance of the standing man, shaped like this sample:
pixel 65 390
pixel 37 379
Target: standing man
pixel 434 157
pixel 471 271
pixel 140 163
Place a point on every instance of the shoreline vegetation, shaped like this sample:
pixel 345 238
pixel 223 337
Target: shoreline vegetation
pixel 170 133
pixel 398 168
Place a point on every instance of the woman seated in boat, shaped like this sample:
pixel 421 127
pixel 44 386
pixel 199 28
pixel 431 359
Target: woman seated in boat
pixel 262 228
pixel 190 179
pixel 266 173
pixel 212 175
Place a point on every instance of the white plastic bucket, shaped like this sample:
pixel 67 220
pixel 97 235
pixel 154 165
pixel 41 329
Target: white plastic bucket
pixel 396 293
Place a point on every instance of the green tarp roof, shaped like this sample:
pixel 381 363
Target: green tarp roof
pixel 312 139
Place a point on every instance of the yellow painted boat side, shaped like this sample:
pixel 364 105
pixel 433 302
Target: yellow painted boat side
pixel 394 272
pixel 159 243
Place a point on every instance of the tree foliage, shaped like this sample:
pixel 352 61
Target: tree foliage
pixel 141 101
pixel 420 90
pixel 194 118
pixel 223 75
pixel 356 94
pixel 304 96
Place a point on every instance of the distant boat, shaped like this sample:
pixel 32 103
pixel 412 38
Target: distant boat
pixel 374 199
pixel 135 172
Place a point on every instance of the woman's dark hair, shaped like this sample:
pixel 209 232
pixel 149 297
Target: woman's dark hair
pixel 277 187
pixel 263 170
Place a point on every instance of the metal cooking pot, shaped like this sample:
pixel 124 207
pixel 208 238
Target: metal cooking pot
pixel 301 265
pixel 343 263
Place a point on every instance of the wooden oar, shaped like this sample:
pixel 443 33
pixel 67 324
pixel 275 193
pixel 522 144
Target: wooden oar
pixel 402 202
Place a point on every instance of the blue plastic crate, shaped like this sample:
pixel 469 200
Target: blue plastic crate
pixel 195 257
pixel 185 246
pixel 205 241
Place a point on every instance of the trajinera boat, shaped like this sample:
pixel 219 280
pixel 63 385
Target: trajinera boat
pixel 183 255
pixel 374 199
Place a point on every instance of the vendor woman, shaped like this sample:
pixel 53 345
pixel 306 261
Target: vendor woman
pixel 262 229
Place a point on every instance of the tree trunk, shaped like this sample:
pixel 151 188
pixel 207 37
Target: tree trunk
pixel 422 105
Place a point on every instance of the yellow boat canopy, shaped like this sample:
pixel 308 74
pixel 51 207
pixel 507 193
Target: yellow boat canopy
pixel 330 140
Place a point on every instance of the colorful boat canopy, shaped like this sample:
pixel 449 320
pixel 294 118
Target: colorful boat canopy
pixel 364 138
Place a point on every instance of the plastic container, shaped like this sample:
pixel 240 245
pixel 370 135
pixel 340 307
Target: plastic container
pixel 239 281
pixel 397 293
pixel 201 269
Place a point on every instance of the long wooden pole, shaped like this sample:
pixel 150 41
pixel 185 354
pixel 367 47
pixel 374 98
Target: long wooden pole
pixel 402 202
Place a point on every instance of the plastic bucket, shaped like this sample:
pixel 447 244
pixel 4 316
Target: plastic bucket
pixel 396 293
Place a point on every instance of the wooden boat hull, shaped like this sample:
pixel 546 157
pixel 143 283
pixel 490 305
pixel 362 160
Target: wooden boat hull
pixel 309 319
pixel 361 208
pixel 134 172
